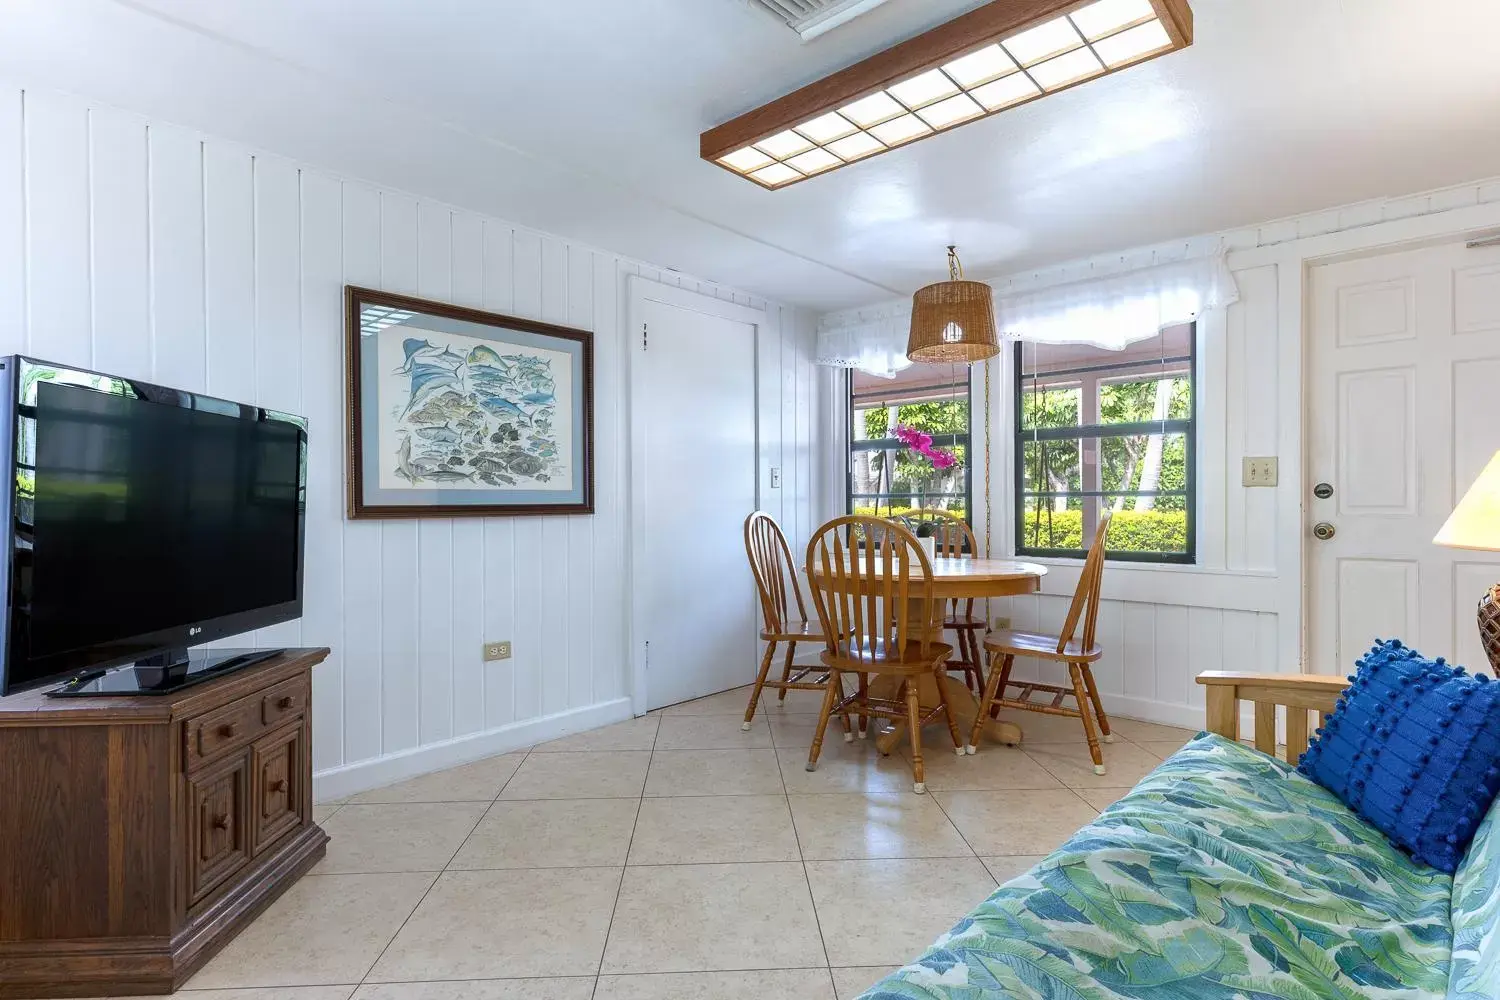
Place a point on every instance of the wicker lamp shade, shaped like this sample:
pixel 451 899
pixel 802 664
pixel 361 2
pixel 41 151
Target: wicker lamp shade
pixel 953 322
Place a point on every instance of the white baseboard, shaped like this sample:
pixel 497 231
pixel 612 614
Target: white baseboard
pixel 1146 710
pixel 351 779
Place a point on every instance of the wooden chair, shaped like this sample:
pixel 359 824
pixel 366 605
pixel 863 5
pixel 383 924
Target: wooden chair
pixel 771 563
pixel 1004 646
pixel 877 619
pixel 955 540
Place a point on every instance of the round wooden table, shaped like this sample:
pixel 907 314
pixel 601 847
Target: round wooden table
pixel 960 579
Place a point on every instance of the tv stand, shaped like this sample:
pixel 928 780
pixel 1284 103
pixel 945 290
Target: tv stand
pixel 140 833
pixel 164 673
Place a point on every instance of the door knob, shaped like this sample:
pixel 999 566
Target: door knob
pixel 1323 491
pixel 1323 531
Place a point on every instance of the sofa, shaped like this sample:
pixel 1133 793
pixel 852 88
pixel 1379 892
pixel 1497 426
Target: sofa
pixel 1226 875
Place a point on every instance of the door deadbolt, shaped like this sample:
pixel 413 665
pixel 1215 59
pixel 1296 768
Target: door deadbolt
pixel 1323 491
pixel 1324 531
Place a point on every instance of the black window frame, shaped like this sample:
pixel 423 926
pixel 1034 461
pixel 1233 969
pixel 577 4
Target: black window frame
pixel 1187 427
pixel 965 440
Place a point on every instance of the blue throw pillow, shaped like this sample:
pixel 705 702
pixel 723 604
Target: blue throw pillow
pixel 1414 748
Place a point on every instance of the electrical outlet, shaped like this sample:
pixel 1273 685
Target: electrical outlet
pixel 1260 472
pixel 1001 624
pixel 496 651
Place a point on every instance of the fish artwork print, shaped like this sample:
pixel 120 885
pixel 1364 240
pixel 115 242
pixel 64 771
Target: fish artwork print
pixel 465 413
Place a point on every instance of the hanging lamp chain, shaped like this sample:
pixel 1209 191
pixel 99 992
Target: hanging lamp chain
pixel 955 266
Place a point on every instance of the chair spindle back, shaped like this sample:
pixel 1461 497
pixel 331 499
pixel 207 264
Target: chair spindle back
pixel 1085 604
pixel 775 578
pixel 868 597
pixel 953 535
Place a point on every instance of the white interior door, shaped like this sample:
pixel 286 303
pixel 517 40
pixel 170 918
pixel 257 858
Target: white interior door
pixel 693 414
pixel 1403 377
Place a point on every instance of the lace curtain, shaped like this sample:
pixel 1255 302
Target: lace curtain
pixel 1110 313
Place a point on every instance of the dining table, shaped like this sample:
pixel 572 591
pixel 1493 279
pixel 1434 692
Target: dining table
pixel 955 578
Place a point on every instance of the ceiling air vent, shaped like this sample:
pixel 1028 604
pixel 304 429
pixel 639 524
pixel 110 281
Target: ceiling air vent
pixel 811 18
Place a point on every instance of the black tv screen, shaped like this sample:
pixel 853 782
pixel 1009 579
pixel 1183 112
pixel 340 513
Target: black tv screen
pixel 145 519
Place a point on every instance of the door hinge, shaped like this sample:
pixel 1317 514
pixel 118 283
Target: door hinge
pixel 645 332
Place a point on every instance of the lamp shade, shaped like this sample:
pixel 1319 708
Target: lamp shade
pixel 953 322
pixel 1475 522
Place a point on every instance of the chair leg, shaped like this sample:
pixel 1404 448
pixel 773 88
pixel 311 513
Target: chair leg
pixel 864 715
pixel 976 662
pixel 998 669
pixel 760 683
pixel 786 672
pixel 914 723
pixel 839 689
pixel 940 675
pixel 829 695
pixel 1080 694
pixel 1088 682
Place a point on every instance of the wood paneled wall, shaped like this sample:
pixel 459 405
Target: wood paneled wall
pixel 145 250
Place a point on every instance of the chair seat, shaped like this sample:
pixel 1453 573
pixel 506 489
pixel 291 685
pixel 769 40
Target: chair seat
pixel 879 658
pixel 794 632
pixel 964 621
pixel 1009 641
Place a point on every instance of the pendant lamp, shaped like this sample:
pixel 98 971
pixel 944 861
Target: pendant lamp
pixel 953 321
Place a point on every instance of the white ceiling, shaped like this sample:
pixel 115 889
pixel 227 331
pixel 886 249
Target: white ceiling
pixel 581 118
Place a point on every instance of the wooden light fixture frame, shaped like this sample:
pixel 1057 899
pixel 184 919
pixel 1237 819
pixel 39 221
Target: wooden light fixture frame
pixel 941 45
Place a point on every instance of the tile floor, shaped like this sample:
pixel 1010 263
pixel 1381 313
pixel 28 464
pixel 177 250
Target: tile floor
pixel 673 857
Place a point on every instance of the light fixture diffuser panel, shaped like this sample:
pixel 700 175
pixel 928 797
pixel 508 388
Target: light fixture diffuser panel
pixel 994 57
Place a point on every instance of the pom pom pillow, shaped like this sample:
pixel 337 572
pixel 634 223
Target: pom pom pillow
pixel 1414 748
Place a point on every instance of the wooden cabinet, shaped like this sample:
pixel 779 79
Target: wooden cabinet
pixel 139 835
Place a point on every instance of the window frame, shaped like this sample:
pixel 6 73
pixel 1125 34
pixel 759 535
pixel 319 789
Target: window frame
pixel 966 440
pixel 1188 428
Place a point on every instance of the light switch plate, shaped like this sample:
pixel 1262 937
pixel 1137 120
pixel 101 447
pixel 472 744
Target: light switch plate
pixel 775 479
pixel 1260 471
pixel 496 651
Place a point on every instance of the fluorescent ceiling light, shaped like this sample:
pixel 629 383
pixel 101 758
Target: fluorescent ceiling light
pixel 1001 54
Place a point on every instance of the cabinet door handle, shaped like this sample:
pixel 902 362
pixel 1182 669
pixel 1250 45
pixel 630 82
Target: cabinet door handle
pixel 279 785
pixel 227 731
pixel 284 703
pixel 220 822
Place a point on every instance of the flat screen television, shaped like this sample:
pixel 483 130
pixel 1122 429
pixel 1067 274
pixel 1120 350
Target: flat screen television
pixel 141 521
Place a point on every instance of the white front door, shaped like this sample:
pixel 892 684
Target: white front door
pixel 694 429
pixel 1403 390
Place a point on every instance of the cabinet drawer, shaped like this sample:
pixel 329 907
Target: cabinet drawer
pixel 221 732
pixel 218 834
pixel 277 768
pixel 283 702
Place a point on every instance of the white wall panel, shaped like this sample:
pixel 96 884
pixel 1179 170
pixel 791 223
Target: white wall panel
pixel 147 250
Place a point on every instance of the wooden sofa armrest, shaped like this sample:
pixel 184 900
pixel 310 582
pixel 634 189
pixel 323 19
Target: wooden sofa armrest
pixel 1301 694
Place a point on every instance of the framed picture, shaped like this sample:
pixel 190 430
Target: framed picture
pixel 454 412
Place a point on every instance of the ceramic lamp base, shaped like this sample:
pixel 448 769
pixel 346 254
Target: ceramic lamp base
pixel 1489 626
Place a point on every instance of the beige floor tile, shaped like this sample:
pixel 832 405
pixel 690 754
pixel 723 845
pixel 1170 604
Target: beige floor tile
pixel 711 732
pixel 1039 727
pixel 793 732
pixel 850 983
pixel 585 775
pixel 1006 868
pixel 579 988
pixel 505 924
pixel 731 702
pixel 324 929
pixel 786 984
pixel 632 734
pixel 397 837
pixel 1161 749
pixel 712 918
pixel 889 825
pixel 480 781
pixel 1021 822
pixel 714 829
pixel 1102 798
pixel 797 702
pixel 887 912
pixel 713 772
pixel 845 767
pixel 993 767
pixel 1137 732
pixel 267 993
pixel 550 833
pixel 322 814
pixel 1070 763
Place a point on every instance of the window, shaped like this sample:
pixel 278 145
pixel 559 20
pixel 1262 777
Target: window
pixel 1097 429
pixel 909 441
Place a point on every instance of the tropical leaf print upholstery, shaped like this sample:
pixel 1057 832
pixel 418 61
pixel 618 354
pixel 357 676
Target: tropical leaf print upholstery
pixel 1476 916
pixel 1225 875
